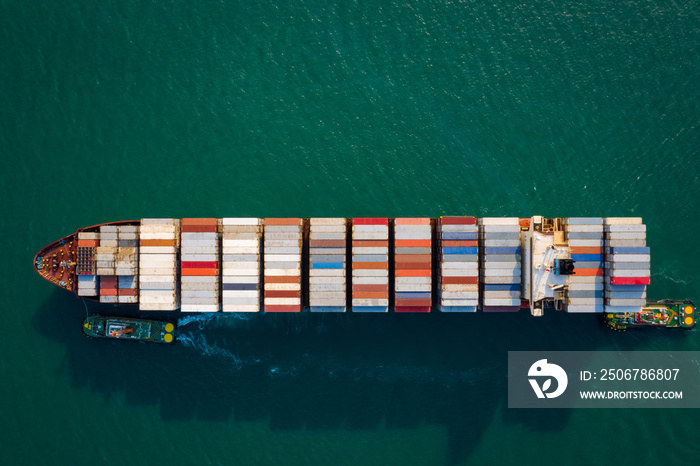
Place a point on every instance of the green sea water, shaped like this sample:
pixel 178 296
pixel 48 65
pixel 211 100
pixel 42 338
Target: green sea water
pixel 116 110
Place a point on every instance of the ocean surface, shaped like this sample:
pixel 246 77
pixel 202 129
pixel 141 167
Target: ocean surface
pixel 114 110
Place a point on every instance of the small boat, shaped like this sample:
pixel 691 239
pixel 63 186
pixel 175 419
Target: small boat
pixel 125 328
pixel 667 314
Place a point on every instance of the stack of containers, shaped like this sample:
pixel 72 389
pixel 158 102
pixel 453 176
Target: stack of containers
pixel 627 263
pixel 327 257
pixel 106 253
pixel 87 280
pixel 199 250
pixel 108 289
pixel 370 264
pixel 127 263
pixel 501 269
pixel 240 265
pixel 87 285
pixel 459 264
pixel 158 240
pixel 413 264
pixel 282 253
pixel 585 239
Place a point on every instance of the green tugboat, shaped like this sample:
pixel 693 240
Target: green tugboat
pixel 668 314
pixel 123 328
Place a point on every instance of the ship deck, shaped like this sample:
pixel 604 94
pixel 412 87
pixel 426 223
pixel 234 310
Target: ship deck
pixel 56 262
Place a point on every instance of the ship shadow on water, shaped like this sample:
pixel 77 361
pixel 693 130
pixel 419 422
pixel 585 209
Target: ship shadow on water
pixel 317 371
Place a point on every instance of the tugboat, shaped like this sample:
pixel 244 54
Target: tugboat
pixel 668 314
pixel 123 328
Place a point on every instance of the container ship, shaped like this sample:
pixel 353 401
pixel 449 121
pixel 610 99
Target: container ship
pixel 447 264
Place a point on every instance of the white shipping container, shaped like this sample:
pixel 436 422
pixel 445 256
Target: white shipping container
pixel 500 280
pixel 581 308
pixel 410 235
pixel 327 221
pixel 88 235
pixel 372 250
pixel 319 295
pixel 240 299
pixel 235 250
pixel 459 228
pixel 500 243
pixel 160 221
pixel 499 221
pixel 327 273
pixel 233 307
pixel 370 273
pixel 501 302
pixel 328 229
pixel 163 236
pixel 628 258
pixel 459 295
pixel 584 228
pixel 327 251
pixel 622 236
pixel 586 242
pixel 468 304
pixel 186 294
pixel 631 273
pixel 291 236
pixel 412 280
pixel 370 280
pixel 282 286
pixel 326 303
pixel 282 257
pixel 359 236
pixel 199 236
pixel 199 307
pixel 330 280
pixel 413 287
pixel 369 302
pixel 241 221
pixel 242 272
pixel 573 279
pixel 244 236
pixel 241 265
pixel 282 301
pixel 87 291
pixel 486 229
pixel 460 273
pixel 458 288
pixel 158 258
pixel 371 229
pixel 325 287
pixel 240 279
pixel 623 221
pixel 278 272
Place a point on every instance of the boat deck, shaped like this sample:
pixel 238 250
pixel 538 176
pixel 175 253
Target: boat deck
pixel 56 262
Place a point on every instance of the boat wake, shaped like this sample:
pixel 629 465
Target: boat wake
pixel 198 341
pixel 208 320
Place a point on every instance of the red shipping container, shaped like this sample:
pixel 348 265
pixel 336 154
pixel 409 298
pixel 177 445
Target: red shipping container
pixel 200 272
pixel 200 265
pixel 282 221
pixel 200 221
pixel 460 280
pixel 413 266
pixel 413 302
pixel 586 250
pixel 370 265
pixel 412 243
pixel 327 243
pixel 630 280
pixel 370 221
pixel 88 243
pixel 169 243
pixel 108 279
pixel 274 279
pixel 282 308
pixel 457 220
pixel 413 273
pixel 412 221
pixel 128 292
pixel 282 294
pixel 412 309
pixel 370 295
pixel 376 288
pixel 108 292
pixel 199 228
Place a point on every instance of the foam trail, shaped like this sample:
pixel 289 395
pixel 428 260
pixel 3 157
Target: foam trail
pixel 199 342
pixel 209 319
